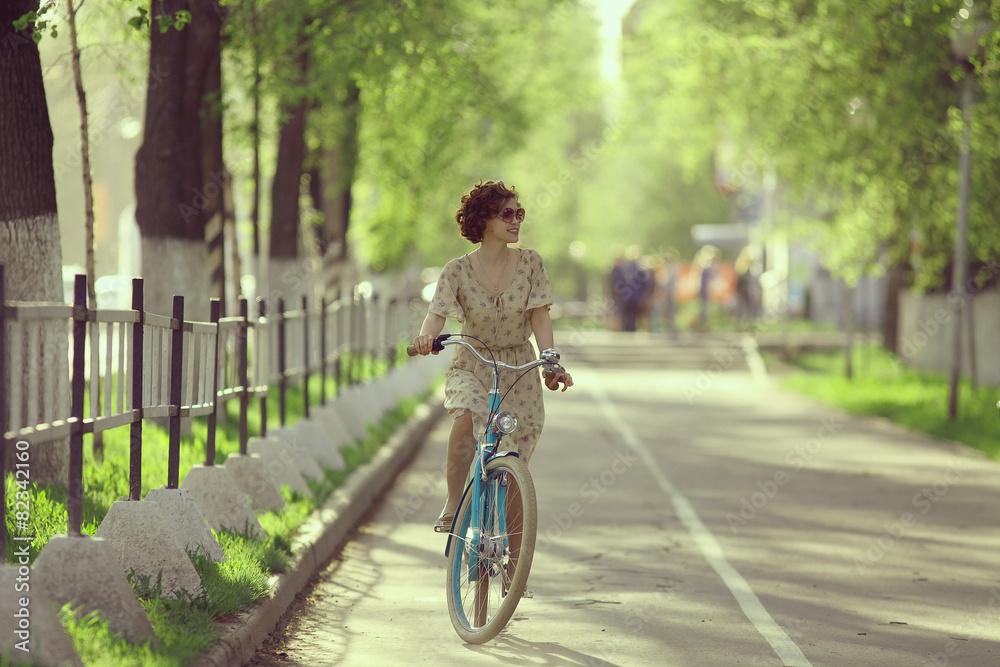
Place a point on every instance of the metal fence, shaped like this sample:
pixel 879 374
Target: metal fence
pixel 125 366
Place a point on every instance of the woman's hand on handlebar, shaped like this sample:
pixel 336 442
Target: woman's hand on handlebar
pixel 423 344
pixel 552 380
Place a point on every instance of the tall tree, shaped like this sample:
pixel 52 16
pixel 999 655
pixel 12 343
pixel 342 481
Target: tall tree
pixel 288 275
pixel 331 183
pixel 205 51
pixel 29 224
pixel 88 186
pixel 177 187
pixel 409 103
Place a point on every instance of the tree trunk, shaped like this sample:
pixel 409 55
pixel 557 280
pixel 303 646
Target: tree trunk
pixel 205 53
pixel 898 257
pixel 333 197
pixel 176 193
pixel 288 274
pixel 29 237
pixel 88 188
pixel 255 138
pixel 894 285
pixel 848 331
pixel 337 173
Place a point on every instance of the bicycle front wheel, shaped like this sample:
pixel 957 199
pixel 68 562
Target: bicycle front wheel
pixel 489 560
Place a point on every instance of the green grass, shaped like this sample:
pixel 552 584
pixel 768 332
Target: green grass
pixel 884 387
pixel 184 624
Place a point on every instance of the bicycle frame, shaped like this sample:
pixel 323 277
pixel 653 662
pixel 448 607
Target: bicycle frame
pixel 486 450
pixel 486 447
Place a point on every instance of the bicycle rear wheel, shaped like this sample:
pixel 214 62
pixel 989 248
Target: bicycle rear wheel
pixel 488 564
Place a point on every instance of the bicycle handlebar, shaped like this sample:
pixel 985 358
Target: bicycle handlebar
pixel 547 357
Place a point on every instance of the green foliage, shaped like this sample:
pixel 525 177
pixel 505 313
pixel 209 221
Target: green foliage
pixel 164 22
pixel 243 577
pixel 449 92
pixel 97 644
pixel 852 105
pixel 38 22
pixel 46 510
pixel 884 387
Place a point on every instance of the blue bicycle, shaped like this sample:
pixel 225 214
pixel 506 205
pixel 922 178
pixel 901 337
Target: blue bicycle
pixel 492 539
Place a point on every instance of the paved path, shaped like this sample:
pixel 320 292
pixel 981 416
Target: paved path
pixel 693 518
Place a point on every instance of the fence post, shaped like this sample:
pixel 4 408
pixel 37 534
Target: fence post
pixel 242 350
pixel 362 339
pixel 305 355
pixel 376 348
pixel 322 350
pixel 392 334
pixel 282 381
pixel 135 428
pixel 352 336
pixel 262 354
pixel 338 365
pixel 357 342
pixel 3 416
pixel 215 310
pixel 176 377
pixel 75 501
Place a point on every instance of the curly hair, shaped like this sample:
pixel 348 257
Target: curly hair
pixel 480 206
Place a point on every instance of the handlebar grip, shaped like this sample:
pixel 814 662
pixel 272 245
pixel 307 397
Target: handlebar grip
pixel 549 378
pixel 436 346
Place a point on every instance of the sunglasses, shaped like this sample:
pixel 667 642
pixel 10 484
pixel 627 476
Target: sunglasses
pixel 508 214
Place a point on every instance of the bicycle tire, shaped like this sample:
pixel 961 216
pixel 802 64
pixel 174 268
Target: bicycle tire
pixel 478 604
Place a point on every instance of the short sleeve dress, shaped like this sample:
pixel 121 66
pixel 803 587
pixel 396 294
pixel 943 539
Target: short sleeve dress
pixel 501 321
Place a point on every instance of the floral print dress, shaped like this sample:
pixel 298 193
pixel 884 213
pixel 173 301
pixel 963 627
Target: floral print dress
pixel 501 321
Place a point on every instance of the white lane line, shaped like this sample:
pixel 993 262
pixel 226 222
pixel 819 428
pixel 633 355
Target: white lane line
pixel 790 654
pixel 754 361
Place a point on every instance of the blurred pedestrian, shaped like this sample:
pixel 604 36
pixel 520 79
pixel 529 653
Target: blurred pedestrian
pixel 747 285
pixel 631 284
pixel 664 313
pixel 614 318
pixel 705 261
pixel 644 318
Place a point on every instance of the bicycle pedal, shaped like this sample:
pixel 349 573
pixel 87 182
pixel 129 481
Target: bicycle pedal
pixel 526 594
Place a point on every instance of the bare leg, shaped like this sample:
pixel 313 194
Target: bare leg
pixel 461 448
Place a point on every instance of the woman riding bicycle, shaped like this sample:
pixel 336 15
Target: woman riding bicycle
pixel 501 296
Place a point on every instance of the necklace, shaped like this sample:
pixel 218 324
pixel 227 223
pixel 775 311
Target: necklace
pixel 503 272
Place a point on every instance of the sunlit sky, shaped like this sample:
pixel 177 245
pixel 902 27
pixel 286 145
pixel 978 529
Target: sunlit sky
pixel 611 12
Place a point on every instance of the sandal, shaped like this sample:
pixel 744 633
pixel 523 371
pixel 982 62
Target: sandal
pixel 443 523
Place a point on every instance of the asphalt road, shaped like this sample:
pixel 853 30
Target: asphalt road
pixel 694 517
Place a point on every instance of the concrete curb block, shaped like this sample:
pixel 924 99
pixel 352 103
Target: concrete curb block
pixel 320 537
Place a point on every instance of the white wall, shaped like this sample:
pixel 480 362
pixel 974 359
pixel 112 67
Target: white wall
pixel 925 334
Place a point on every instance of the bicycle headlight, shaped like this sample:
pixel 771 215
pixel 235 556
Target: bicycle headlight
pixel 505 422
